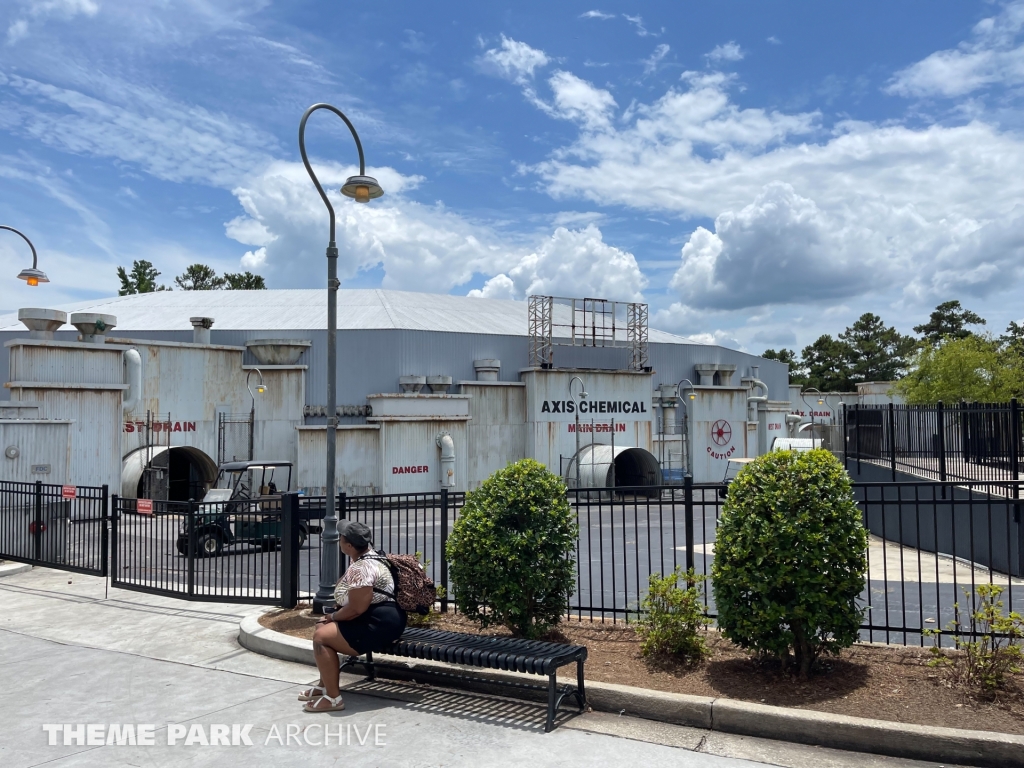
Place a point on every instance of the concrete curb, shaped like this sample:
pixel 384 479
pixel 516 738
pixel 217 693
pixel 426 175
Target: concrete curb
pixel 916 742
pixel 9 568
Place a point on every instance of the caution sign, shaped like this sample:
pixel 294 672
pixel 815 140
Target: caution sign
pixel 144 506
pixel 69 491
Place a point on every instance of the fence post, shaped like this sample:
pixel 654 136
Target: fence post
pixel 860 422
pixel 342 510
pixel 37 526
pixel 1015 447
pixel 688 507
pixel 191 547
pixel 444 547
pixel 941 418
pixel 104 541
pixel 892 440
pixel 846 441
pixel 115 506
pixel 289 549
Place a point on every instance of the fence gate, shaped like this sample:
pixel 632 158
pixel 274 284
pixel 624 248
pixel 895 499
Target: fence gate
pixel 215 552
pixel 54 526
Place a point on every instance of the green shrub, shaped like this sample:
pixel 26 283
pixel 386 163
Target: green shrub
pixel 790 558
pixel 510 551
pixel 673 617
pixel 988 641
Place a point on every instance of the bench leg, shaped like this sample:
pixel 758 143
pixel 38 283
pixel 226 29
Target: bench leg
pixel 581 693
pixel 369 666
pixel 552 702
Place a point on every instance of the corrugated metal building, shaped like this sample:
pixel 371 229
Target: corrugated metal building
pixel 384 335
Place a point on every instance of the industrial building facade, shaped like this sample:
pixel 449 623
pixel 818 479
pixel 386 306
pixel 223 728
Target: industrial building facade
pixel 149 392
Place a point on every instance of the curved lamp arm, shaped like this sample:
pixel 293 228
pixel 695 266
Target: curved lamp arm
pixel 809 407
pixel 693 391
pixel 261 387
pixel 35 260
pixel 305 159
pixel 583 391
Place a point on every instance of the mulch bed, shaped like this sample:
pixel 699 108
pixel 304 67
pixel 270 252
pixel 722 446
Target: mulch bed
pixel 882 682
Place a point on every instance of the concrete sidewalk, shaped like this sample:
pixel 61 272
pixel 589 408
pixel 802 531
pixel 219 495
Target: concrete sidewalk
pixel 70 653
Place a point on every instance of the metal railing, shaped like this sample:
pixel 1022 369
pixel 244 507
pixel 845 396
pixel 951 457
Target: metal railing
pixel 56 526
pixel 962 441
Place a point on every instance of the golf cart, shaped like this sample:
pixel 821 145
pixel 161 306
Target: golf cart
pixel 243 507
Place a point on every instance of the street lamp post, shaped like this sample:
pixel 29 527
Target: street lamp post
pixel 821 401
pixel 260 388
pixel 576 403
pixel 362 188
pixel 33 276
pixel 689 447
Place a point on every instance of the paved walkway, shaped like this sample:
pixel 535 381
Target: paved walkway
pixel 72 653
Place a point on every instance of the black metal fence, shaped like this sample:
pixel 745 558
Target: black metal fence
pixel 56 526
pixel 216 551
pixel 964 441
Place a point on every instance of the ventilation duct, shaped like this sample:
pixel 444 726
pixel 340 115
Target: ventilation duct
pixel 411 385
pixel 487 370
pixel 439 384
pixel 41 323
pixel 201 329
pixel 93 326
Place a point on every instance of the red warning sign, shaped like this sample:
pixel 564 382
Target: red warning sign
pixel 144 506
pixel 68 491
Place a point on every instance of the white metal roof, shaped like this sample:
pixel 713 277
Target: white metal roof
pixel 306 309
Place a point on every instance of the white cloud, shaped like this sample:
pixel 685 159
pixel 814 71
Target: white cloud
pixel 597 15
pixel 802 213
pixel 514 60
pixel 651 62
pixel 423 248
pixel 168 139
pixel 254 261
pixel 42 9
pixel 992 56
pixel 571 263
pixel 581 101
pixel 638 22
pixel 773 40
pixel 726 52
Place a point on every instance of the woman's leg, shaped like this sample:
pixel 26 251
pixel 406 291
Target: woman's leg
pixel 327 644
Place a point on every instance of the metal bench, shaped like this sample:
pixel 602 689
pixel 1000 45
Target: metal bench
pixel 504 653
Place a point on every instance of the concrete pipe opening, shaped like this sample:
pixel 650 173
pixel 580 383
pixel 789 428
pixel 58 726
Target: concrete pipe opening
pixel 633 468
pixel 178 473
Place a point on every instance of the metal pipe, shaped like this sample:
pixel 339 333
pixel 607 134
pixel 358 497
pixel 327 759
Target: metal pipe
pixel 576 404
pixel 133 370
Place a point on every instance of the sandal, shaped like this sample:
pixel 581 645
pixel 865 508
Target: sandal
pixel 333 705
pixel 312 693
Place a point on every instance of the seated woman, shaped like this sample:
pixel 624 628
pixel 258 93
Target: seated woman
pixel 367 617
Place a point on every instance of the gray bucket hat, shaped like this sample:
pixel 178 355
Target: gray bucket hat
pixel 355 533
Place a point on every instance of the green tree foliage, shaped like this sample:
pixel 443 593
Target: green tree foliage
pixel 790 558
pixel 142 279
pixel 244 281
pixel 511 550
pixel 877 352
pixel 1013 339
pixel 828 366
pixel 971 369
pixel 673 616
pixel 199 277
pixel 948 321
pixel 797 372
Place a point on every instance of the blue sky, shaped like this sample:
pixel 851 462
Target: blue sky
pixel 760 173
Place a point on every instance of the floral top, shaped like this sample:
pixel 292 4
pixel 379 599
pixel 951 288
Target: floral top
pixel 365 572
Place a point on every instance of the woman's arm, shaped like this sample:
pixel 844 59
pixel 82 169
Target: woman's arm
pixel 358 601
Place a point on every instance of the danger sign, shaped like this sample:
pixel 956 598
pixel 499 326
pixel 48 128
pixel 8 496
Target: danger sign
pixel 144 506
pixel 68 491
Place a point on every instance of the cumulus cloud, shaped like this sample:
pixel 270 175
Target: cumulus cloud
pixel 992 56
pixel 801 212
pixel 420 247
pixel 726 52
pixel 601 15
pixel 571 263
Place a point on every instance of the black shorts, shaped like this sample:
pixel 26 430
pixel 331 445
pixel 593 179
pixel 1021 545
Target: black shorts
pixel 374 630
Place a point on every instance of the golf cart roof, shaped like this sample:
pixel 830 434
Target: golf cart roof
pixel 241 466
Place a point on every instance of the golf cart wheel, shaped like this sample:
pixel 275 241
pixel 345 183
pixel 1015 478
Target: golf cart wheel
pixel 182 546
pixel 723 492
pixel 269 544
pixel 209 545
pixel 303 535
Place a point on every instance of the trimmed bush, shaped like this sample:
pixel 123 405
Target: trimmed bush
pixel 790 558
pixel 673 617
pixel 510 551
